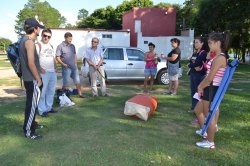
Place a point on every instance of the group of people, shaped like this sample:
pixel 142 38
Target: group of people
pixel 173 66
pixel 39 71
pixel 38 63
pixel 206 70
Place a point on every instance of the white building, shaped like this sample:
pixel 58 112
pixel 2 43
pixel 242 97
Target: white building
pixel 82 38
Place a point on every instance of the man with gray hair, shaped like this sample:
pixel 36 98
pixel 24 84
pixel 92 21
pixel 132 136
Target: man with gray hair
pixel 94 57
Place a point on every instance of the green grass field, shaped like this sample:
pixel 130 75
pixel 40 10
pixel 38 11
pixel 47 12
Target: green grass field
pixel 96 132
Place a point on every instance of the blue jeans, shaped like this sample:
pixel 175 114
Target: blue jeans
pixel 68 73
pixel 48 91
pixel 195 80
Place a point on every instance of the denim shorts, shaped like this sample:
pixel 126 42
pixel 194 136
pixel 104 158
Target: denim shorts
pixel 150 71
pixel 68 73
pixel 173 77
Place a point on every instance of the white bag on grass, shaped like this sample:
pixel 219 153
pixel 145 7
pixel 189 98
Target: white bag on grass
pixel 65 101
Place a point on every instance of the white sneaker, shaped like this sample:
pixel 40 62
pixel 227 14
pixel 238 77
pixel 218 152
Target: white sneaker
pixel 198 132
pixel 206 144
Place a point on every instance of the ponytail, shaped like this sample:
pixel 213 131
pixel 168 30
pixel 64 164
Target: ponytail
pixel 224 38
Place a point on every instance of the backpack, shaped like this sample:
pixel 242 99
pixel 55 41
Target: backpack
pixel 14 57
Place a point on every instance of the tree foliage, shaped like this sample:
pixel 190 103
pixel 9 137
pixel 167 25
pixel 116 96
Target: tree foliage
pixel 110 18
pixel 82 14
pixel 226 15
pixel 50 16
pixel 4 43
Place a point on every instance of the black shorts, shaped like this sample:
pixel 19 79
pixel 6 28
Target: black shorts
pixel 206 93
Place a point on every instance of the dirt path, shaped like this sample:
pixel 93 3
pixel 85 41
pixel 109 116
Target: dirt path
pixel 5 73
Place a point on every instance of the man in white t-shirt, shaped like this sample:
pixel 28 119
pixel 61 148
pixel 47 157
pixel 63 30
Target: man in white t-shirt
pixel 94 57
pixel 48 73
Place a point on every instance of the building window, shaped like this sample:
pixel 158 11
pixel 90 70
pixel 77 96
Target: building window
pixel 107 36
pixel 145 42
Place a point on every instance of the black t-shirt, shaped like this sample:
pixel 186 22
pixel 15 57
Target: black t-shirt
pixel 178 52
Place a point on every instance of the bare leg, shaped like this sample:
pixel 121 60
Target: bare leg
pixel 175 86
pixel 146 83
pixel 211 130
pixel 170 86
pixel 201 110
pixel 79 89
pixel 152 77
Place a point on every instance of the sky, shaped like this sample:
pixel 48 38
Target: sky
pixel 68 8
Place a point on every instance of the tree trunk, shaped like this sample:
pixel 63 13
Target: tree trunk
pixel 243 55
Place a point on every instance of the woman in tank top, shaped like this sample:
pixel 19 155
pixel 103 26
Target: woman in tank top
pixel 218 43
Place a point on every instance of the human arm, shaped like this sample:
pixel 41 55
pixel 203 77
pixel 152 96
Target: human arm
pixel 172 58
pixel 58 56
pixel 87 58
pixel 198 61
pixel 101 59
pixel 30 47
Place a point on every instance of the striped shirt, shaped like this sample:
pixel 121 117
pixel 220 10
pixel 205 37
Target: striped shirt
pixel 219 73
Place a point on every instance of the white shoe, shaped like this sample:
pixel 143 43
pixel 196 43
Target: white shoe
pixel 198 132
pixel 206 144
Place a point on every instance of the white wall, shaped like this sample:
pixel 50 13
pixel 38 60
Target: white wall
pixel 163 44
pixel 82 39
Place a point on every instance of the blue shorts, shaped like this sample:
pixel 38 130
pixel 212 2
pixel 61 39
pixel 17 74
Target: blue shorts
pixel 150 71
pixel 68 73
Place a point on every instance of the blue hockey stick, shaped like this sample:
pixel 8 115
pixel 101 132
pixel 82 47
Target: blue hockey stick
pixel 220 93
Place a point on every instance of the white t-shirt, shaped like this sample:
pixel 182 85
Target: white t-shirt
pixel 94 55
pixel 46 56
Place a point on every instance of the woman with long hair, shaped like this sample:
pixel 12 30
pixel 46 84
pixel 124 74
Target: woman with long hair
pixel 218 43
pixel 196 69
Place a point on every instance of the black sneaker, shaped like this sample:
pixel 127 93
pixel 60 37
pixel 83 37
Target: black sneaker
pixel 34 136
pixel 45 114
pixel 39 126
pixel 52 111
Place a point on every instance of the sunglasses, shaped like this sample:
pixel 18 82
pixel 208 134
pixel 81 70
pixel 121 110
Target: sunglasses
pixel 47 36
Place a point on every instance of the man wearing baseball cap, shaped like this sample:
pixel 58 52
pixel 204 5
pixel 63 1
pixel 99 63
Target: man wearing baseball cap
pixel 31 76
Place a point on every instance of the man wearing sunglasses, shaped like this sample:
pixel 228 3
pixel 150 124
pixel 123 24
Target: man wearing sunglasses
pixel 48 73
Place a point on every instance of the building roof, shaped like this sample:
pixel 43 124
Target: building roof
pixel 91 29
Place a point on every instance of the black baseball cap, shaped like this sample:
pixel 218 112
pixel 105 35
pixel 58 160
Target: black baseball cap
pixel 33 23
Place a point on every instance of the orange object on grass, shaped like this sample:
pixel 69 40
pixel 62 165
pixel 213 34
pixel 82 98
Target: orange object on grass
pixel 142 106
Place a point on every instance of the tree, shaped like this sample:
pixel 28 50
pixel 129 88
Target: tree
pixel 50 16
pixel 4 43
pixel 226 15
pixel 110 18
pixel 82 14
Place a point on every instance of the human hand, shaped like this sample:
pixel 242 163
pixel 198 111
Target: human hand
pixel 43 71
pixel 198 68
pixel 39 83
pixel 65 65
pixel 200 91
